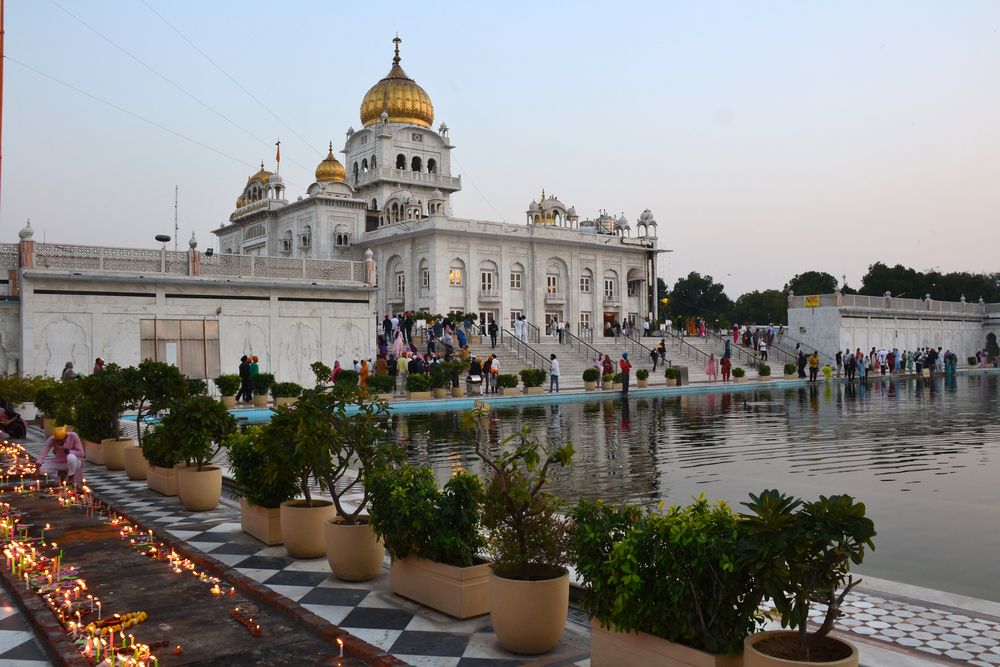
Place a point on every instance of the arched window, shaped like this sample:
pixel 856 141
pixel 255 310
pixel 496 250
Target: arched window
pixel 341 237
pixel 416 163
pixel 425 276
pixel 586 281
pixel 374 204
pixel 432 166
pixel 395 212
pixel 355 171
pixel 455 272
pixel 305 240
pixel 400 161
pixel 364 165
pixel 373 163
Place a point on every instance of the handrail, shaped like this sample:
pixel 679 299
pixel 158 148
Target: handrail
pixel 640 348
pixel 518 346
pixel 805 348
pixel 580 344
pixel 748 356
pixel 683 344
pixel 534 333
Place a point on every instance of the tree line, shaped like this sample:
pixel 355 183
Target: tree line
pixel 701 296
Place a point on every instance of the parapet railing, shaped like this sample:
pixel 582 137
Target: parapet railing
pixel 581 346
pixel 741 353
pixel 523 350
pixel 886 303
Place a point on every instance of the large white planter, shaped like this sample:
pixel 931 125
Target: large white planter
pixel 609 648
pixel 162 480
pixel 529 616
pixel 94 452
pixel 263 523
pixel 136 466
pixel 199 490
pixel 754 658
pixel 461 592
pixel 302 527
pixel 113 451
pixel 354 552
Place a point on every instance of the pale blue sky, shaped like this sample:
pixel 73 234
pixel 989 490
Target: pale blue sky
pixel 768 138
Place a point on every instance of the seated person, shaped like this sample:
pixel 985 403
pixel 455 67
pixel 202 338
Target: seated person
pixel 12 424
pixel 67 455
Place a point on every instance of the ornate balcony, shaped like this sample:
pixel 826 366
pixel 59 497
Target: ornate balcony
pixel 555 297
pixel 489 295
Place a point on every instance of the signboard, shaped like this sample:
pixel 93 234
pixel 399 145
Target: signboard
pixel 810 301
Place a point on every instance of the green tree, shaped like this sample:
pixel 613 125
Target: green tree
pixel 901 280
pixel 812 282
pixel 767 307
pixel 896 280
pixel 700 296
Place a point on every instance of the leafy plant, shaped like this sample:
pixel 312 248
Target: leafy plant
pixel 533 377
pixel 789 369
pixel 671 373
pixel 973 361
pixel 250 451
pixel 153 386
pixel 507 380
pixel 382 384
pixel 801 553
pixel 347 377
pixel 642 374
pixel 59 401
pixel 414 517
pixel 528 535
pixel 103 397
pixel 321 371
pixel 591 375
pixel 453 370
pixel 196 387
pixel 684 558
pixel 158 450
pixel 261 383
pixel 616 378
pixel 763 370
pixel 197 427
pixel 738 372
pixel 16 389
pixel 608 378
pixel 418 382
pixel 285 390
pixel 228 384
pixel 437 375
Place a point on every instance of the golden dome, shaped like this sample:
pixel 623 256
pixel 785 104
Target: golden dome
pixel 262 176
pixel 399 96
pixel 330 170
pixel 241 201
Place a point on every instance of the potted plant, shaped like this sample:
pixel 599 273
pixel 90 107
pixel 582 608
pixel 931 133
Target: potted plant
pixel 642 375
pixel 973 361
pixel 383 386
pixel 261 385
pixel 152 387
pixel 43 389
pixel 196 387
pixel 418 386
pixel 439 379
pixel 528 539
pixel 103 397
pixel 790 373
pixel 347 377
pixel 763 372
pixel 228 385
pixel 507 381
pixel 197 427
pixel 532 379
pixel 683 558
pixel 607 381
pixel 454 370
pixel 20 392
pixel 59 401
pixel 261 494
pixel 672 376
pixel 160 457
pixel 616 382
pixel 739 375
pixel 590 378
pixel 285 393
pixel 434 537
pixel 801 553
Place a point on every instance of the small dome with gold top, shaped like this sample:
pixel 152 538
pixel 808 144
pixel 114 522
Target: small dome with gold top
pixel 262 176
pixel 330 170
pixel 399 97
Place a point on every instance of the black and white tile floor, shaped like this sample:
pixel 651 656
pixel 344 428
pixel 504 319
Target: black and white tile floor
pixel 18 646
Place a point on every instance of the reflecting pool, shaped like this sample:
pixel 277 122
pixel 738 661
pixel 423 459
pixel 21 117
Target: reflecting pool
pixel 922 454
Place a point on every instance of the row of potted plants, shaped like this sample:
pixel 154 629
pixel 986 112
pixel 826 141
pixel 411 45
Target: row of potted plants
pixel 262 385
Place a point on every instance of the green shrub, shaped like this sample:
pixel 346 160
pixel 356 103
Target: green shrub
pixel 616 378
pixel 533 377
pixel 671 373
pixel 414 517
pixel 59 401
pixel 17 389
pixel 103 397
pixel 642 374
pixel 195 386
pixel 286 390
pixel 439 376
pixel 684 558
pixel 321 371
pixel 382 384
pixel 158 449
pixel 507 381
pixel 153 387
pixel 418 382
pixel 591 375
pixel 608 378
pixel 228 384
pixel 196 426
pixel 347 377
pixel 738 372
pixel 789 369
pixel 261 383
pixel 763 370
pixel 973 361
pixel 250 451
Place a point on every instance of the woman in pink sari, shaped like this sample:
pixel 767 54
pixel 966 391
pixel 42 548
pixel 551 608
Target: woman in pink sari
pixel 736 333
pixel 712 368
pixel 397 344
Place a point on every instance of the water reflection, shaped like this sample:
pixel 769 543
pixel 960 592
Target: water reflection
pixel 920 452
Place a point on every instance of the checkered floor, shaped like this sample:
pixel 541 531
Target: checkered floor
pixel 18 646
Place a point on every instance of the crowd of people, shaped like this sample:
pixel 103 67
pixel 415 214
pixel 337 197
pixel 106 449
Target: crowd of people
pixel 859 365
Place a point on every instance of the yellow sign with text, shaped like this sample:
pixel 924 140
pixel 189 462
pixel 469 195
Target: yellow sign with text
pixel 810 301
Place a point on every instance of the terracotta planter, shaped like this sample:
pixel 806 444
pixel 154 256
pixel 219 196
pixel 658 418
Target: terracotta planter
pixel 643 383
pixel 302 527
pixel 606 386
pixel 616 386
pixel 95 452
pixel 263 523
pixel 440 392
pixel 136 466
pixel 754 658
pixel 354 552
pixel 534 390
pixel 260 400
pixel 791 376
pixel 740 379
pixel 671 382
pixel 418 395
pixel 458 392
pixel 590 386
pixel 113 451
pixel 609 648
pixel 162 480
pixel 199 490
pixel 48 426
pixel 229 401
pixel 462 592
pixel 763 377
pixel 529 616
pixel 286 400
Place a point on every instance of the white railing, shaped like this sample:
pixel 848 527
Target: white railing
pixel 610 299
pixel 489 295
pixel 396 297
pixel 116 260
pixel 8 255
pixel 887 303
pixel 404 176
pixel 555 297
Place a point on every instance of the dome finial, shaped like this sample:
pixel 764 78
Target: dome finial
pixel 331 150
pixel 396 40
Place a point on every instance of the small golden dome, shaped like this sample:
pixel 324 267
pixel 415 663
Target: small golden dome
pixel 262 176
pixel 241 201
pixel 330 170
pixel 399 96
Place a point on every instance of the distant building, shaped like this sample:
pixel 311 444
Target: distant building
pixel 392 194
